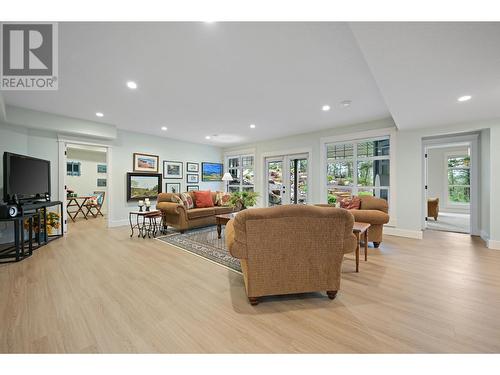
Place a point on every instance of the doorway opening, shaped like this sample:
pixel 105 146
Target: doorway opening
pixel 451 185
pixel 84 172
pixel 287 179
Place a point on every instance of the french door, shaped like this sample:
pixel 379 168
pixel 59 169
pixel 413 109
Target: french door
pixel 287 179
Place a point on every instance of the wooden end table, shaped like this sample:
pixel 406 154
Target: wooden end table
pixel 361 229
pixel 222 220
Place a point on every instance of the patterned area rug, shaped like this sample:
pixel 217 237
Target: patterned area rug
pixel 204 243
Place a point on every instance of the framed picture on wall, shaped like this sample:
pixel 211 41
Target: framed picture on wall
pixel 146 163
pixel 101 182
pixel 173 187
pixel 192 178
pixel 102 168
pixel 193 188
pixel 172 169
pixel 143 185
pixel 211 171
pixel 192 167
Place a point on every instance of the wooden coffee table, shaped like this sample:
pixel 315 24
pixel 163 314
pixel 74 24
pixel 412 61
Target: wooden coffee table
pixel 361 229
pixel 222 220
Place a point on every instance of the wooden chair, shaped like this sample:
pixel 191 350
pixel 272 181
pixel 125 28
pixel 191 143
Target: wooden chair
pixel 95 205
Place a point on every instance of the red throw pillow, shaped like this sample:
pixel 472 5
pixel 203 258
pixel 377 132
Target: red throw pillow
pixel 203 199
pixel 353 203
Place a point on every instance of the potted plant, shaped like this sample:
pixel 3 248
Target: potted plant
pixel 243 199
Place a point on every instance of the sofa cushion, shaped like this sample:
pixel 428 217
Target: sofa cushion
pixel 222 199
pixel 187 200
pixel 176 199
pixel 196 213
pixel 223 210
pixel 352 203
pixel 203 199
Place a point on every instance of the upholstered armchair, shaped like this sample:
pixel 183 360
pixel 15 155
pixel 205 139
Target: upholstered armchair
pixel 290 249
pixel 433 208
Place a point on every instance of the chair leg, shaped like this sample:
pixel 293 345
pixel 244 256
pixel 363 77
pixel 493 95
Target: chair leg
pixel 253 301
pixel 376 245
pixel 331 293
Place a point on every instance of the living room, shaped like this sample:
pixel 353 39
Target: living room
pixel 250 187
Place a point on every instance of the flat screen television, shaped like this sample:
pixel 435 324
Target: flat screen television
pixel 25 177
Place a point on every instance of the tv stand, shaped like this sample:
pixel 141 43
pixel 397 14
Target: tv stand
pixel 39 208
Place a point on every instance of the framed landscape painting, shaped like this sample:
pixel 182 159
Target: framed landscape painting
pixel 192 167
pixel 192 178
pixel 172 169
pixel 173 187
pixel 146 163
pixel 193 188
pixel 143 185
pixel 211 171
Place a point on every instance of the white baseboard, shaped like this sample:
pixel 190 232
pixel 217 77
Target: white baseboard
pixel 484 236
pixel 118 223
pixel 492 244
pixel 408 233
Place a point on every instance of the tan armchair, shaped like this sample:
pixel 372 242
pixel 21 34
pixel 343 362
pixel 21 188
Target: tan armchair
pixel 290 249
pixel 433 208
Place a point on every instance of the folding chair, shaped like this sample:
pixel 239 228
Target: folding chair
pixel 96 204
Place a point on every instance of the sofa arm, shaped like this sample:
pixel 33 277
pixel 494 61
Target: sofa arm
pixel 171 208
pixel 350 243
pixel 370 216
pixel 236 249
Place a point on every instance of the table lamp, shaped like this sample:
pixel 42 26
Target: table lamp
pixel 227 177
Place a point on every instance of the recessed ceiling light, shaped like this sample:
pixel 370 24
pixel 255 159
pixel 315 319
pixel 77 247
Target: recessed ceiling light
pixel 131 85
pixel 164 128
pixel 345 103
pixel 209 21
pixel 252 126
pixel 464 98
pixel 325 108
pixel 99 114
pixel 207 137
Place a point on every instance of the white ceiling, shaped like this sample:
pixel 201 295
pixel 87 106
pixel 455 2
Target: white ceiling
pixel 422 68
pixel 203 79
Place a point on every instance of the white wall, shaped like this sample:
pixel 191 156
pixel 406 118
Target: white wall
pixel 437 173
pixel 86 183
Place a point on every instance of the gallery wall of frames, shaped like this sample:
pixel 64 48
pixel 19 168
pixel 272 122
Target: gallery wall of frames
pixel 147 180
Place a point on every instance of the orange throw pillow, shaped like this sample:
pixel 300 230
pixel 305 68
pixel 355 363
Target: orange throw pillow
pixel 353 203
pixel 203 199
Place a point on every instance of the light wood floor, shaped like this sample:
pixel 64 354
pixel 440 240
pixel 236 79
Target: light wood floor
pixel 97 290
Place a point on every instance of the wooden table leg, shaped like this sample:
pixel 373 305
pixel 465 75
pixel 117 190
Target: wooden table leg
pixel 366 245
pixel 357 251
pixel 219 230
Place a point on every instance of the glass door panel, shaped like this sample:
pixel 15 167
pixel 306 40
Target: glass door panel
pixel 298 180
pixel 275 180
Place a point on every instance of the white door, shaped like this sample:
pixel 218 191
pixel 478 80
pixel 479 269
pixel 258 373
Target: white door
pixel 287 179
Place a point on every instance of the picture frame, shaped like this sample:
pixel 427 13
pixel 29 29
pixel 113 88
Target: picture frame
pixel 143 185
pixel 172 169
pixel 102 168
pixel 101 182
pixel 146 162
pixel 173 187
pixel 193 188
pixel 211 171
pixel 192 178
pixel 192 167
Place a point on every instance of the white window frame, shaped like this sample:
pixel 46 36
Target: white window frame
pixel 389 132
pixel 355 189
pixel 240 156
pixel 446 194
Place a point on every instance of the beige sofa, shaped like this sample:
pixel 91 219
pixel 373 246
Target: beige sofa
pixel 374 211
pixel 286 249
pixel 177 216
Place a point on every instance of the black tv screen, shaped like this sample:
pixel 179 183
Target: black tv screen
pixel 26 177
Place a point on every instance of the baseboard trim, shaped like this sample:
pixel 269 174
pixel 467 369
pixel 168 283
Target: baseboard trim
pixel 408 233
pixel 491 244
pixel 118 223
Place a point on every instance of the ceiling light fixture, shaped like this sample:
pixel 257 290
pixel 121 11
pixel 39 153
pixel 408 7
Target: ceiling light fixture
pixel 325 108
pixel 252 126
pixel 131 85
pixel 164 128
pixel 464 98
pixel 99 114
pixel 345 103
pixel 207 137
